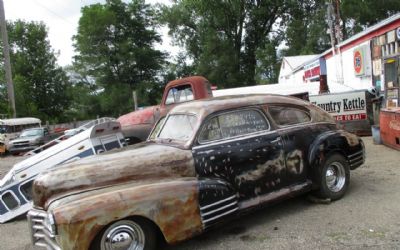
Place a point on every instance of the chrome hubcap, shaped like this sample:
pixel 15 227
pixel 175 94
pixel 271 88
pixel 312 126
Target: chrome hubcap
pixel 335 177
pixel 123 235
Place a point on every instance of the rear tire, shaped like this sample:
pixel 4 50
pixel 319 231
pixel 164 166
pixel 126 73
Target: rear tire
pixel 136 234
pixel 334 178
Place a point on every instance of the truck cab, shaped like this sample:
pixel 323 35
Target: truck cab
pixel 136 125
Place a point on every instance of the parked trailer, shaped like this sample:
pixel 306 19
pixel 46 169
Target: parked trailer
pixel 16 186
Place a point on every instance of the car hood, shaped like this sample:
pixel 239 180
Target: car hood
pixel 142 162
pixel 143 116
pixel 21 139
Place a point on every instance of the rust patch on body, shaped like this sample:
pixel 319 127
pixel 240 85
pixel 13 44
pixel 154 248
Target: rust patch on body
pixel 150 162
pixel 274 166
pixel 172 205
pixel 351 139
pixel 294 162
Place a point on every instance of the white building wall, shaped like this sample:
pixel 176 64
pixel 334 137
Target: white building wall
pixel 347 75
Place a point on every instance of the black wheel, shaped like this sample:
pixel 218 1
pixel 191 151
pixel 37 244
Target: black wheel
pixel 137 234
pixel 334 178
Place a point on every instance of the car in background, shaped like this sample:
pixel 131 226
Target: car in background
pixel 29 139
pixel 11 128
pixel 207 162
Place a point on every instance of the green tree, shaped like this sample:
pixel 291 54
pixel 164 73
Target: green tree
pixel 115 46
pixel 224 38
pixel 358 15
pixel 306 27
pixel 40 85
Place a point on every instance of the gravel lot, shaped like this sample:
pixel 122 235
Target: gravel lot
pixel 366 218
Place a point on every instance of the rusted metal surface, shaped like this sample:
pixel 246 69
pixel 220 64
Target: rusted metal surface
pixel 390 127
pixel 187 185
pixel 143 162
pixel 203 108
pixel 171 204
pixel 198 84
pixel 137 124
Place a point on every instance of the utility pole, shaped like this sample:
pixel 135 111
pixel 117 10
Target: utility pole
pixel 7 65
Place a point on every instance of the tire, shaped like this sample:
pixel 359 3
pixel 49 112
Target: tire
pixel 136 234
pixel 334 177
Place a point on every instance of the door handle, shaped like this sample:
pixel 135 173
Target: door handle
pixel 276 141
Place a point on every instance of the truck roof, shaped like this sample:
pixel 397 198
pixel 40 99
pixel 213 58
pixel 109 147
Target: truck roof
pixel 196 80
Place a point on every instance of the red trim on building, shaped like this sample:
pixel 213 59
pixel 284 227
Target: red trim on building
pixel 368 36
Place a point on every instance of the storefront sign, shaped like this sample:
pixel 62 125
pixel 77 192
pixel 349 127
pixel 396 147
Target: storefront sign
pixel 358 60
pixel 312 71
pixel 344 106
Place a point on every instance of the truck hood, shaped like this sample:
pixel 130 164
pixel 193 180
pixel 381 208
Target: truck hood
pixel 142 162
pixel 143 116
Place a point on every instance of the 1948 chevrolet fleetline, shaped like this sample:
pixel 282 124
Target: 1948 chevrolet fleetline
pixel 206 162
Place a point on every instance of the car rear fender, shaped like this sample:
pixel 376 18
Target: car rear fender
pixel 331 142
pixel 171 205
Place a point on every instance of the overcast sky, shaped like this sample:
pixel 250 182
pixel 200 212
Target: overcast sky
pixel 61 18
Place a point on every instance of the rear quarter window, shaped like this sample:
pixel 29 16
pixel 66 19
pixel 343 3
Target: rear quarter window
pixel 285 116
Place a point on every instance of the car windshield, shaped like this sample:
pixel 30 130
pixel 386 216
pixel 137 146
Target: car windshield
pixel 178 127
pixel 31 132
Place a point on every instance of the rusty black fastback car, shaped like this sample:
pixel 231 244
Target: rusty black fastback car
pixel 206 162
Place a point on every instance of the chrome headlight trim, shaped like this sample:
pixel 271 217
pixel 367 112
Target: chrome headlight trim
pixel 50 224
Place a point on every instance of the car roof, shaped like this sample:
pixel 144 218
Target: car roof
pixel 205 107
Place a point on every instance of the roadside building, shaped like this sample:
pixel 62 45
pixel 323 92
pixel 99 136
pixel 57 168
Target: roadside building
pixel 357 80
pixel 369 59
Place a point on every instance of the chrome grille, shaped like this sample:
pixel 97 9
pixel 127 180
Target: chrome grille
pixel 40 235
pixel 356 159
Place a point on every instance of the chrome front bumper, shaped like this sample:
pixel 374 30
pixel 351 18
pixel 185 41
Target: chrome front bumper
pixel 40 235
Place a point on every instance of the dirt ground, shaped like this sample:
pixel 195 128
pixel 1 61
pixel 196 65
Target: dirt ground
pixel 366 218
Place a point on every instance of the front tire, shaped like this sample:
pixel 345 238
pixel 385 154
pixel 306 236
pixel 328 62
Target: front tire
pixel 137 234
pixel 334 178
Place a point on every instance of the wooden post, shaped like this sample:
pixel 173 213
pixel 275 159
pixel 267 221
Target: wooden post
pixel 135 104
pixel 7 65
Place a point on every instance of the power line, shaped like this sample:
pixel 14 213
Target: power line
pixel 52 12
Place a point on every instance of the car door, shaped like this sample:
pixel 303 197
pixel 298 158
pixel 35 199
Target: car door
pixel 240 148
pixel 294 128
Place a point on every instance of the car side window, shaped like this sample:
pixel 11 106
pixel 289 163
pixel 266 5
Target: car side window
pixel 179 94
pixel 232 124
pixel 285 116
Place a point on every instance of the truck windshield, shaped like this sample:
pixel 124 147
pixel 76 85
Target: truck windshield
pixel 178 127
pixel 31 132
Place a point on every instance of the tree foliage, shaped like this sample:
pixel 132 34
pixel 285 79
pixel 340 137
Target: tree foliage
pixel 358 15
pixel 223 38
pixel 40 85
pixel 306 28
pixel 115 46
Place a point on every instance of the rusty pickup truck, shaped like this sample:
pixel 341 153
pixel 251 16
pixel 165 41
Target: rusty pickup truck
pixel 208 161
pixel 137 125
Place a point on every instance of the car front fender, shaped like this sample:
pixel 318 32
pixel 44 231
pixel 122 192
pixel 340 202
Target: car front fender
pixel 171 204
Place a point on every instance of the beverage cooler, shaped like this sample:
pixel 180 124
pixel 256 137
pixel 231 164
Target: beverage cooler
pixel 390 127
